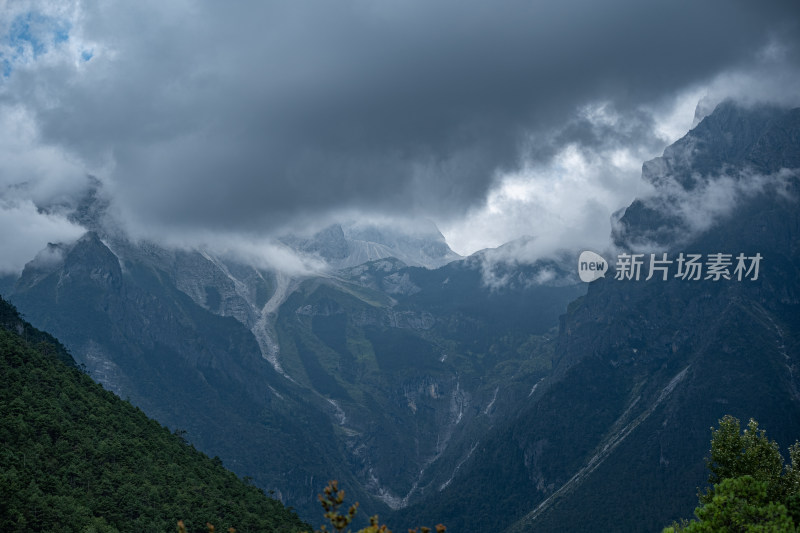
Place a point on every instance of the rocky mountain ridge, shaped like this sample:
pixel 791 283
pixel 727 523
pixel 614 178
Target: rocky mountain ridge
pixel 643 368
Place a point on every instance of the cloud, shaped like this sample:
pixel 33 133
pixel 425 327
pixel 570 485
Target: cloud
pixel 27 231
pixel 258 252
pixel 566 202
pixel 493 119
pixel 686 214
pixel 31 169
pixel 33 175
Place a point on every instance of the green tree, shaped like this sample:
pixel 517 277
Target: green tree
pixel 741 505
pixel 736 453
pixel 752 490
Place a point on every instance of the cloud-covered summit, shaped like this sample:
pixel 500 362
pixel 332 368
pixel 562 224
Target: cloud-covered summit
pixel 493 119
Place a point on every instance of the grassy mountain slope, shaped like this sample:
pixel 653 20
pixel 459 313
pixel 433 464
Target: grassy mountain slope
pixel 418 378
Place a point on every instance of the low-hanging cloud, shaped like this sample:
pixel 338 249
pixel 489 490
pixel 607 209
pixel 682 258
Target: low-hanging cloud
pixel 257 116
pixel 261 252
pixel 689 213
pixel 567 201
pixel 33 175
pixel 26 231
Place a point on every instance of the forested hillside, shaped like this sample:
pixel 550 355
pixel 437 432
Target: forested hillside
pixel 75 457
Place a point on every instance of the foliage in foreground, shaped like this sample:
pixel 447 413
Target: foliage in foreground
pixel 332 500
pixel 752 489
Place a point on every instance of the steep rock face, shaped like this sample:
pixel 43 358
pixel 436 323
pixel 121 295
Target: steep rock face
pixel 763 139
pixel 731 347
pixel 224 288
pixel 425 248
pixel 343 247
pixel 732 154
pixel 644 368
pixel 685 353
pixel 329 244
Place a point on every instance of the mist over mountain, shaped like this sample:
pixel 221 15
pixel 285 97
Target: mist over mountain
pixel 357 243
pixel 484 384
pixel 727 160
pixel 355 240
pixel 495 123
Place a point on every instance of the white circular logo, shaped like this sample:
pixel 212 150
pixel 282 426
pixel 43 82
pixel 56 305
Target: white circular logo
pixel 591 266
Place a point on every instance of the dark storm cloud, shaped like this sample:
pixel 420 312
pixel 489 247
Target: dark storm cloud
pixel 250 115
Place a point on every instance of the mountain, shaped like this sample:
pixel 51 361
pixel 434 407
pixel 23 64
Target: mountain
pixel 422 363
pixel 77 458
pixel 357 243
pixel 729 155
pixel 383 376
pixel 615 440
pixel 123 316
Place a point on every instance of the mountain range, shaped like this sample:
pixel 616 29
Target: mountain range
pixel 381 375
pixel 430 395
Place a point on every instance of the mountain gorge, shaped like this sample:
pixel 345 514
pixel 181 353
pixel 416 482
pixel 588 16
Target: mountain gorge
pixel 431 395
pixel 384 376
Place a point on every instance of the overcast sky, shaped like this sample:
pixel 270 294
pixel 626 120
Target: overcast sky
pixel 496 120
